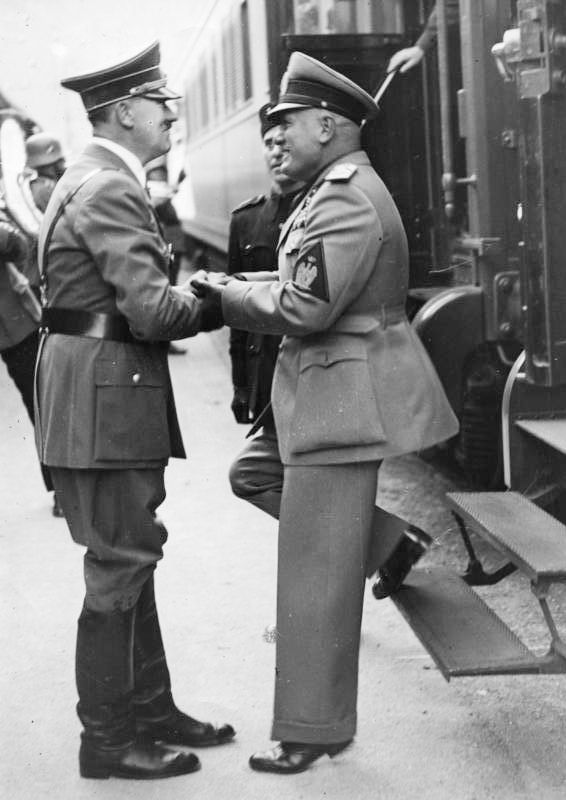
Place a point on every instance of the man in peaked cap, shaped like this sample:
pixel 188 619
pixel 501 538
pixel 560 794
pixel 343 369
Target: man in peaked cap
pixel 255 226
pixel 106 420
pixel 352 385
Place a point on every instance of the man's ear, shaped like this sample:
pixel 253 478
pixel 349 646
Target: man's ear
pixel 124 114
pixel 327 128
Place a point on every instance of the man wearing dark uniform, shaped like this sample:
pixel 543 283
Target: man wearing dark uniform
pixel 106 419
pixel 352 386
pixel 254 231
pixel 45 164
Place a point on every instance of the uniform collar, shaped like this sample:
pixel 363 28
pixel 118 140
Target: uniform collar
pixel 358 157
pixel 131 160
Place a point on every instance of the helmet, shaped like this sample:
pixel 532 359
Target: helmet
pixel 42 149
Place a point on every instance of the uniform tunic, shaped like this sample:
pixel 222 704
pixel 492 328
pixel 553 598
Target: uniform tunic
pixel 105 417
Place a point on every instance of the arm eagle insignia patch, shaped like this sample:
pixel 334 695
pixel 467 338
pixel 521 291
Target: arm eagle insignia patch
pixel 310 272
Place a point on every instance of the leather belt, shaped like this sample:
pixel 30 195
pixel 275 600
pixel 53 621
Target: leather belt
pixel 86 323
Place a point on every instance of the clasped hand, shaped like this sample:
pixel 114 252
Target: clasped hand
pixel 208 287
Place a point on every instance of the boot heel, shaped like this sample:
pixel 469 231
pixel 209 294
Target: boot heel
pixel 93 770
pixel 334 749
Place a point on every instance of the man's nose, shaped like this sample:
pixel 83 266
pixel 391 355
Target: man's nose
pixel 171 114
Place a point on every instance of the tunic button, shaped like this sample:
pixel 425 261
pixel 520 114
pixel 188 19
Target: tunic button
pixel 136 377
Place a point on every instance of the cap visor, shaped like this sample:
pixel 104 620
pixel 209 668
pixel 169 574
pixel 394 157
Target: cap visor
pixel 162 94
pixel 282 107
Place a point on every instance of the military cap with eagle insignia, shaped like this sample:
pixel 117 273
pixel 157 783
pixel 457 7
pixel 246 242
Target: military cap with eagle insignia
pixel 139 76
pixel 308 83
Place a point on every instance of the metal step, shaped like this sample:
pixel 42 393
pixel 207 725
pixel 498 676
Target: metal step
pixel 530 537
pixel 550 431
pixel 463 635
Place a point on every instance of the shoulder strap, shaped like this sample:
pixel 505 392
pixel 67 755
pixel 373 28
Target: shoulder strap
pixel 44 248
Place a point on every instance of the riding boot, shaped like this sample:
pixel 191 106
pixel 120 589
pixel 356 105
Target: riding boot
pixel 105 683
pixel 152 697
pixel 157 718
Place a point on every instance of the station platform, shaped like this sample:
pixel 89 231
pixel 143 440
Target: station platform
pixel 419 738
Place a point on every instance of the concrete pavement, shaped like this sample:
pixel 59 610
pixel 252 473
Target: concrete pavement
pixel 419 738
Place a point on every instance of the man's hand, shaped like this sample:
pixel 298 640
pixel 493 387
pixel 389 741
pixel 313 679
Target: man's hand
pixel 240 405
pixel 202 276
pixel 210 296
pixel 405 59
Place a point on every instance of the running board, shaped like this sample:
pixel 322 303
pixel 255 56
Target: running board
pixel 463 635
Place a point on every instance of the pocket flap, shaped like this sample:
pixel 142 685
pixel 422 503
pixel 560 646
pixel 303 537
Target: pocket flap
pixel 325 355
pixel 124 373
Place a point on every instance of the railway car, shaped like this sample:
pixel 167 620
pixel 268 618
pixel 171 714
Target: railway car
pixel 444 142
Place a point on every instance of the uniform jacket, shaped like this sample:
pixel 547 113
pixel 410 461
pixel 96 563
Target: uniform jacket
pixel 353 381
pixel 15 322
pixel 254 232
pixel 104 403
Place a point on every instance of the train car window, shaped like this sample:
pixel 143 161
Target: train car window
pixel 315 17
pixel 229 66
pixel 203 91
pixel 215 105
pixel 246 58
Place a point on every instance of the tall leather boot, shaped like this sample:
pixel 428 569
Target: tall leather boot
pixel 157 718
pixel 105 683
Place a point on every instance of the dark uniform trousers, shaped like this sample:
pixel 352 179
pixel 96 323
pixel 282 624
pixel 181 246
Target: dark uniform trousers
pixel 320 584
pixel 112 514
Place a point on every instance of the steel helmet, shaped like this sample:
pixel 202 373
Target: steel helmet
pixel 42 149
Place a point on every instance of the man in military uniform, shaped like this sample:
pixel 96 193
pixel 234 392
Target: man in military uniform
pixel 106 420
pixel 254 230
pixel 352 385
pixel 45 164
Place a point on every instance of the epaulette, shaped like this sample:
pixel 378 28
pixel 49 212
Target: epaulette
pixel 341 172
pixel 253 201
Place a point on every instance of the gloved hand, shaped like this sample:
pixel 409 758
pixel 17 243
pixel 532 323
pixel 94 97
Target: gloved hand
pixel 240 405
pixel 13 244
pixel 210 297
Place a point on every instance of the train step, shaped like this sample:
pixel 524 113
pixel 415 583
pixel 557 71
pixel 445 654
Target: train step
pixel 461 632
pixel 531 538
pixel 550 431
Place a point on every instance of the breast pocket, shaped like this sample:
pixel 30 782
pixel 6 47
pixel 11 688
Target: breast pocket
pixel 335 402
pixel 258 257
pixel 131 413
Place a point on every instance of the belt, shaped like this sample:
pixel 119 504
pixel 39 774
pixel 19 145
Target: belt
pixel 86 323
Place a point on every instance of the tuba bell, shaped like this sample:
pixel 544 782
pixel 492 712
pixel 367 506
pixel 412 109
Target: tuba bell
pixel 15 193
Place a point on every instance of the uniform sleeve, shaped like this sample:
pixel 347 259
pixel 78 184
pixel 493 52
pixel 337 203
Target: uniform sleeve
pixel 430 31
pixel 333 262
pixel 116 225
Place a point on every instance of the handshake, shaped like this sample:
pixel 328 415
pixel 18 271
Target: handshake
pixel 208 287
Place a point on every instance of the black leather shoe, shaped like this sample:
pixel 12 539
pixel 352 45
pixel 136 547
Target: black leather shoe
pixel 391 575
pixel 180 729
pixel 290 757
pixel 139 761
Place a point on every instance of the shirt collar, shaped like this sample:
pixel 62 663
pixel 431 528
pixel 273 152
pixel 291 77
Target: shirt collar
pixel 131 160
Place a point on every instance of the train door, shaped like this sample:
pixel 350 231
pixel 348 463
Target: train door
pixel 358 38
